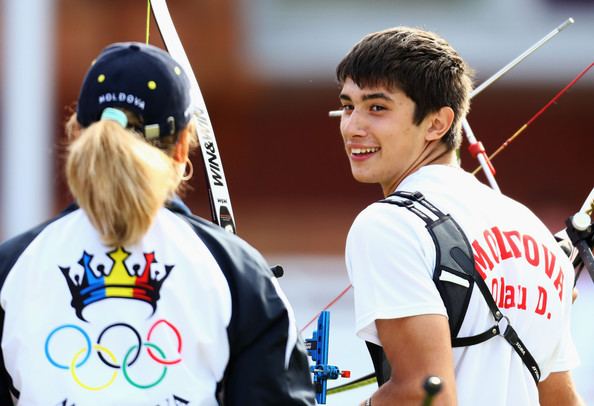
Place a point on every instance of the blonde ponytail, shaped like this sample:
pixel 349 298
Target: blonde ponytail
pixel 119 180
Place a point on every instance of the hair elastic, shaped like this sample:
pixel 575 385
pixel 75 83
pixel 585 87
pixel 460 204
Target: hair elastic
pixel 116 115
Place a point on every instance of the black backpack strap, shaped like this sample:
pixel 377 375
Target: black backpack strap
pixel 454 276
pixel 509 333
pixel 380 363
pixel 453 282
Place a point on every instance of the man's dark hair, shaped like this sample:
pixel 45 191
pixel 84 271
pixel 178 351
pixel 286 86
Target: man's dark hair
pixel 421 64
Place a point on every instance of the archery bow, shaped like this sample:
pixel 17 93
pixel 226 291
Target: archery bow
pixel 220 202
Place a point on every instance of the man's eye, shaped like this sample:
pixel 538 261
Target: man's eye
pixel 377 108
pixel 346 107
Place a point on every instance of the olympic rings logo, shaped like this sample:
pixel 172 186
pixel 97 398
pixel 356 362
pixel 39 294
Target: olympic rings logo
pixel 107 356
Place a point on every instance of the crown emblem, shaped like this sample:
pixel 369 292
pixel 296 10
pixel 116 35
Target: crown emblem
pixel 92 285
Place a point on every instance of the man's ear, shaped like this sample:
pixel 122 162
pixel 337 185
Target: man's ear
pixel 439 123
pixel 182 147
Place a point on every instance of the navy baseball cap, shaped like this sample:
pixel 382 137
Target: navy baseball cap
pixel 141 78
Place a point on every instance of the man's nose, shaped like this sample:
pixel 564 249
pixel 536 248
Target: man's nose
pixel 353 124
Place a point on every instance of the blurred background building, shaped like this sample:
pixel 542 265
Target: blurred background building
pixel 266 70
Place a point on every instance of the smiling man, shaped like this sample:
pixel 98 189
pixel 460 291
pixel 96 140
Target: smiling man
pixel 451 278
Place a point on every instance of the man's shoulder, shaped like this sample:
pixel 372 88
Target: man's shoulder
pixel 381 213
pixel 386 223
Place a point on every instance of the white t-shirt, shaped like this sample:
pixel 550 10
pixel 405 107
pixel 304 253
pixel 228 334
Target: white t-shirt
pixel 390 258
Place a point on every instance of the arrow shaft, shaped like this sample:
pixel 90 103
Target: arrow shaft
pixel 538 114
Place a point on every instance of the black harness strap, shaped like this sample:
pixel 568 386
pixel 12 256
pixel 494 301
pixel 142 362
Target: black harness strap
pixel 455 275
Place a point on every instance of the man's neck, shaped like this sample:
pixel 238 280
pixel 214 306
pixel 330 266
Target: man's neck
pixel 435 153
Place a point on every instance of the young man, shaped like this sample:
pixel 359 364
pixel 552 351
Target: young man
pixel 404 94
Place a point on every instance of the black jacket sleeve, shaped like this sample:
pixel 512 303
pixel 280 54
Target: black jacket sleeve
pixel 258 372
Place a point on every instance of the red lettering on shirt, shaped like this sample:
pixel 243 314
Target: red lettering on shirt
pixel 503 251
pixel 541 306
pixel 514 247
pixel 549 261
pixel 559 283
pixel 495 291
pixel 531 257
pixel 481 260
pixel 499 245
pixel 522 303
pixel 492 244
pixel 510 297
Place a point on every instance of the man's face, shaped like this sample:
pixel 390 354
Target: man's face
pixel 379 135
